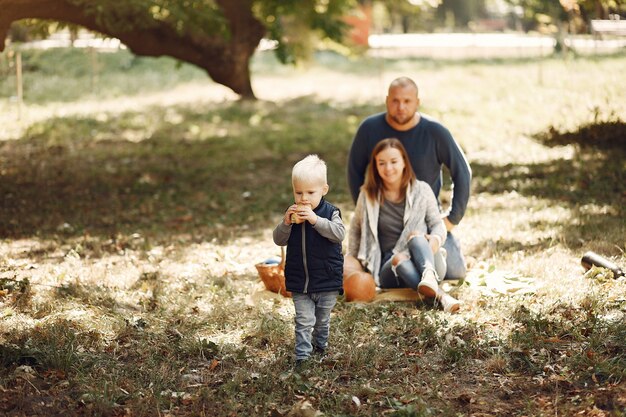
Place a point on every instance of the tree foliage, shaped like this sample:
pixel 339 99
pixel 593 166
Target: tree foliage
pixel 536 12
pixel 219 36
pixel 409 16
pixel 463 11
pixel 293 22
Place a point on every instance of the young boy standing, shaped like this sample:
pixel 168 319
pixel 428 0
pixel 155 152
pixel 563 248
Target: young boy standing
pixel 312 230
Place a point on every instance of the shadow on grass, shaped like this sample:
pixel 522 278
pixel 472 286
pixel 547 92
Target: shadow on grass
pixel 592 184
pixel 220 171
pixel 210 172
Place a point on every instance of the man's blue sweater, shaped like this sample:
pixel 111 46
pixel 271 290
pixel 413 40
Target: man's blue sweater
pixel 429 146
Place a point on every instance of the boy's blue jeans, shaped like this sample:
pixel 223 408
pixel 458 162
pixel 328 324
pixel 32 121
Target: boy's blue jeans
pixel 312 320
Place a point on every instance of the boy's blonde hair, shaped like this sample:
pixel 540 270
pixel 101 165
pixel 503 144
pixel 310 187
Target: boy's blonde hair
pixel 310 169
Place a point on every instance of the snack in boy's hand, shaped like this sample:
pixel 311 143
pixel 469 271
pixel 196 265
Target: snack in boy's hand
pixel 295 219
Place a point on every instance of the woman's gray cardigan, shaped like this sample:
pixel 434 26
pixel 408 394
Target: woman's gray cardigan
pixel 421 214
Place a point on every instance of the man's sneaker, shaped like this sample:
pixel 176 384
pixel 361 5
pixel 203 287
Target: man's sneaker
pixel 449 303
pixel 428 286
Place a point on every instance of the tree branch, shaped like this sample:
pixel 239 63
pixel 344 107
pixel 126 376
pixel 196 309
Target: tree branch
pixel 226 60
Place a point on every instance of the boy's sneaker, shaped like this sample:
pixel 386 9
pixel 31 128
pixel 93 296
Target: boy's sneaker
pixel 319 353
pixel 300 364
pixel 318 350
pixel 449 303
pixel 428 286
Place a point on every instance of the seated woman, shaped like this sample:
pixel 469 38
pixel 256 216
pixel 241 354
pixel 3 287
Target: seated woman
pixel 397 230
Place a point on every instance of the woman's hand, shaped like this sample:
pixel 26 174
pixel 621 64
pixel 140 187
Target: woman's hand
pixel 415 234
pixel 434 241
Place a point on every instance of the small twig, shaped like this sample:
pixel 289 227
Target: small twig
pixel 31 384
pixel 29 282
pixel 46 285
pixel 556 399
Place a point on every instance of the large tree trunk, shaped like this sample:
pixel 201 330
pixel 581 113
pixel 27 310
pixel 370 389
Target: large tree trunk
pixel 600 10
pixel 226 60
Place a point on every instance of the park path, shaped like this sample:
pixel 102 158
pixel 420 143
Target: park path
pixel 485 45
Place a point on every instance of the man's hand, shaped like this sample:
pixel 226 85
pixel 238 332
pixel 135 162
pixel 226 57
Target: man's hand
pixel 448 223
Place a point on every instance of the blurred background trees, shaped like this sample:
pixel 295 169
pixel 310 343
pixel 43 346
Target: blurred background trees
pixel 410 16
pixel 220 36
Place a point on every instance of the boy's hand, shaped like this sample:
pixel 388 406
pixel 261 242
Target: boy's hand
pixel 290 211
pixel 305 212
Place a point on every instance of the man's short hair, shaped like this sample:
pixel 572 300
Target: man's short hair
pixel 403 82
pixel 310 169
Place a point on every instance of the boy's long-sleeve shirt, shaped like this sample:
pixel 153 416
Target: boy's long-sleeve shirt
pixel 333 230
pixel 314 259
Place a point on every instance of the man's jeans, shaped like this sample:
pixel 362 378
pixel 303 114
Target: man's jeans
pixel 312 320
pixel 455 262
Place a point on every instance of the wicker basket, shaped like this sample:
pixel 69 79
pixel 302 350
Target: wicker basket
pixel 273 275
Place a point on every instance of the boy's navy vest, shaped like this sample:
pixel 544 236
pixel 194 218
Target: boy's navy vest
pixel 313 263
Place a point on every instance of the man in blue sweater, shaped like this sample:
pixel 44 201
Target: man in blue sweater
pixel 429 145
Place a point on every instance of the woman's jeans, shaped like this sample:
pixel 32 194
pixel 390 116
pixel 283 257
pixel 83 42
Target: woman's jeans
pixel 409 272
pixel 312 320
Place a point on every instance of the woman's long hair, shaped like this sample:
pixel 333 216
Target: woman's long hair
pixel 373 185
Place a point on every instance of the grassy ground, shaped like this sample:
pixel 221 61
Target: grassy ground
pixel 136 203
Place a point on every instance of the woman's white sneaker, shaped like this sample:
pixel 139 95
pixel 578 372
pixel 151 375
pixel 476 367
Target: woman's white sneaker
pixel 428 286
pixel 449 303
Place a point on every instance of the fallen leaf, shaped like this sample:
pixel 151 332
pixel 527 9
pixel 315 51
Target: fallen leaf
pixel 304 409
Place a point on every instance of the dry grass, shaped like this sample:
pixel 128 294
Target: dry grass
pixel 137 220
